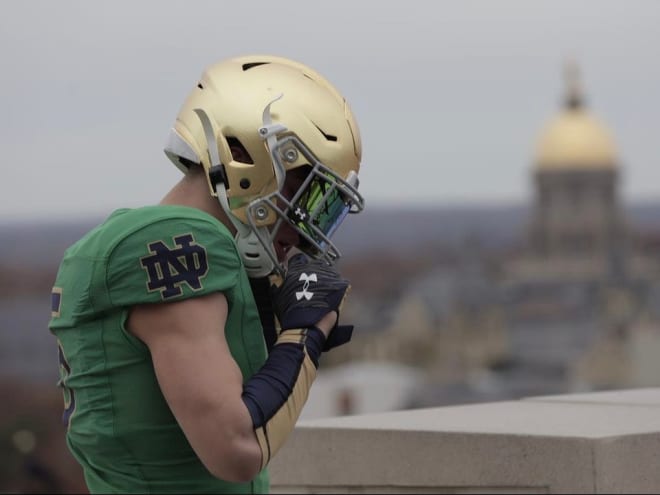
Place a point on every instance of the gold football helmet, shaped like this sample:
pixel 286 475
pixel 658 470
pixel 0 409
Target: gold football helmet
pixel 281 115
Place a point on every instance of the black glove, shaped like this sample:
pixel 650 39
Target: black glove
pixel 310 290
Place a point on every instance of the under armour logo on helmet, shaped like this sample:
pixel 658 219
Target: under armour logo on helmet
pixel 307 279
pixel 300 213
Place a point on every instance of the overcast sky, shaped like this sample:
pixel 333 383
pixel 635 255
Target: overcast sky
pixel 450 95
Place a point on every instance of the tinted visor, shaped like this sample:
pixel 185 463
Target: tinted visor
pixel 320 207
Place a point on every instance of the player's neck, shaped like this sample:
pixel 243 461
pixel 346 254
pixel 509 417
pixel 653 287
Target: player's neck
pixel 193 191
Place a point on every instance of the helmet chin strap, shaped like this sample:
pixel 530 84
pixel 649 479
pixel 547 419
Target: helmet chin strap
pixel 256 259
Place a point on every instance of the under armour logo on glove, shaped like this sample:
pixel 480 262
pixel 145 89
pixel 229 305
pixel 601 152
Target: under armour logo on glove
pixel 307 279
pixel 323 290
pixel 297 308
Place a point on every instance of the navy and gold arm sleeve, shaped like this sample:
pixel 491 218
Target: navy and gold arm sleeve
pixel 276 394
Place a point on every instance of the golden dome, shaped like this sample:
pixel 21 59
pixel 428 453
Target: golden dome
pixel 575 139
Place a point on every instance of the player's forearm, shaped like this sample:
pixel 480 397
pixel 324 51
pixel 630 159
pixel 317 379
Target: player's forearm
pixel 234 454
pixel 272 400
pixel 276 394
pixel 217 425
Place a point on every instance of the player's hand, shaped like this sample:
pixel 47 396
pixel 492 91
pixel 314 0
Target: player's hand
pixel 311 290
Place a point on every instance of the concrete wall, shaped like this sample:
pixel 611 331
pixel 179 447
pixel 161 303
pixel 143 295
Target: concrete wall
pixel 605 442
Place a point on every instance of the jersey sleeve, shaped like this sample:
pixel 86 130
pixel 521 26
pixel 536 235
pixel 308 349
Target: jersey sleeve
pixel 170 260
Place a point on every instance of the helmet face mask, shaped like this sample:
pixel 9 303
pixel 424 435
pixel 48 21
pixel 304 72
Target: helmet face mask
pixel 315 211
pixel 284 118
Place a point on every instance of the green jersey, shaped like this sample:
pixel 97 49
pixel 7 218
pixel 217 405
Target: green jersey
pixel 119 426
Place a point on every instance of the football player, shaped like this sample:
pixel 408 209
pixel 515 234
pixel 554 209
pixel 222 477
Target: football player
pixel 190 332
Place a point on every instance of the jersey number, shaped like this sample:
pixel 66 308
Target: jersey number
pixel 69 396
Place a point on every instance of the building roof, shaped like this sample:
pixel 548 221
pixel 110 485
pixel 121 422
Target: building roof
pixel 575 139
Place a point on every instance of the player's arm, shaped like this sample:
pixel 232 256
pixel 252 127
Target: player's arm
pixel 201 381
pixel 234 428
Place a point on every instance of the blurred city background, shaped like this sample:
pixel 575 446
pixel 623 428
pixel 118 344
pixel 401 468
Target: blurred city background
pixel 492 262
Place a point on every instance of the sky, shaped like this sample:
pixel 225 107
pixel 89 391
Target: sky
pixel 450 96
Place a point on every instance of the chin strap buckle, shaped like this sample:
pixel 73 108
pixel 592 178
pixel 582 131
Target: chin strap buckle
pixel 256 259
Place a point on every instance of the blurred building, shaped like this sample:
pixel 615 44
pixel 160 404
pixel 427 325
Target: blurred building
pixel 572 308
pixel 582 267
pixel 578 230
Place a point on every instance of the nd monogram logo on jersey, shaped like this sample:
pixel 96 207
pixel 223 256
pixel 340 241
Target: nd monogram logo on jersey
pixel 168 268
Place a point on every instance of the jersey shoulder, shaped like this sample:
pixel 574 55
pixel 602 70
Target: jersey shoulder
pixel 167 253
pixel 145 255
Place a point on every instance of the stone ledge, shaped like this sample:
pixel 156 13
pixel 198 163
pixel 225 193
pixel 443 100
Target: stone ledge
pixel 586 443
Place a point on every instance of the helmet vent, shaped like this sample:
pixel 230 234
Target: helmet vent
pixel 253 64
pixel 329 137
pixel 238 152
